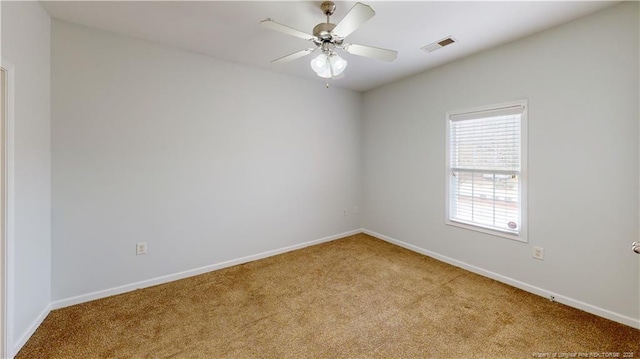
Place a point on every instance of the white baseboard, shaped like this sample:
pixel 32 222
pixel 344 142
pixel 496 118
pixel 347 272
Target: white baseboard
pixel 616 317
pixel 32 329
pixel 189 273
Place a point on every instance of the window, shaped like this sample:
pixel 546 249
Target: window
pixel 486 169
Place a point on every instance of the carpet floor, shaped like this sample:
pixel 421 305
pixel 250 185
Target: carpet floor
pixel 356 297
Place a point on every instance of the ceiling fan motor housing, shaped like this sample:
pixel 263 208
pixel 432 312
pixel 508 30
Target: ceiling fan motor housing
pixel 323 31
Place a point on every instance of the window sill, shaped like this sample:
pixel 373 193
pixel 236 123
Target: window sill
pixel 516 237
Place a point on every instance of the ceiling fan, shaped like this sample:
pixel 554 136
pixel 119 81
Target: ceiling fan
pixel 327 37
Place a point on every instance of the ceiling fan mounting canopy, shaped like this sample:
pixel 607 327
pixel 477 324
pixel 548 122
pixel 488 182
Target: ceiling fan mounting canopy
pixel 328 7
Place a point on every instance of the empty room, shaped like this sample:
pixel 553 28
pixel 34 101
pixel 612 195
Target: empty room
pixel 317 179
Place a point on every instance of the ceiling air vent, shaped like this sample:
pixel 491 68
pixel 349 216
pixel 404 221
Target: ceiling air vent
pixel 439 44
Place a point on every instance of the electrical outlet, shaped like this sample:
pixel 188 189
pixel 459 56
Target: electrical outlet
pixel 141 248
pixel 538 253
pixel 344 212
pixel 356 210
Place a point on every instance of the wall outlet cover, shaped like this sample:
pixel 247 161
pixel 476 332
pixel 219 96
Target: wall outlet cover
pixel 141 248
pixel 538 253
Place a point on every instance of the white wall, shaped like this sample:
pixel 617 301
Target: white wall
pixel 581 80
pixel 26 44
pixel 205 160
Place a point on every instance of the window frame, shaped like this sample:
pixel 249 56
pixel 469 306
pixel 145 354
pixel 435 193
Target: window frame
pixel 522 236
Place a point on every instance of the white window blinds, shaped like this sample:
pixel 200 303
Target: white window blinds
pixel 485 158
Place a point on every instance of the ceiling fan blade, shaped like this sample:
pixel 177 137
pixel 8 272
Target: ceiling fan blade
pixel 358 15
pixel 291 57
pixel 270 24
pixel 370 51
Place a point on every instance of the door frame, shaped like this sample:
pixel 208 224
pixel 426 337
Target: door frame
pixel 7 211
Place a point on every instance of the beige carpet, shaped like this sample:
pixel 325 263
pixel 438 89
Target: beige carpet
pixel 356 297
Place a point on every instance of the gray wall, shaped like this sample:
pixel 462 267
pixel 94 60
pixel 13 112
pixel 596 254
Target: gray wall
pixel 205 160
pixel 26 44
pixel 581 80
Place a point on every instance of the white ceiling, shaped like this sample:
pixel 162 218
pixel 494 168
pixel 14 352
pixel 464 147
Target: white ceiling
pixel 230 30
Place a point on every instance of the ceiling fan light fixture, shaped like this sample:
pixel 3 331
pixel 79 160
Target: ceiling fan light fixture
pixel 328 65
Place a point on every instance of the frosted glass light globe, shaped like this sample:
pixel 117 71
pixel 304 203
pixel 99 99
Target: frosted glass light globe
pixel 319 64
pixel 338 64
